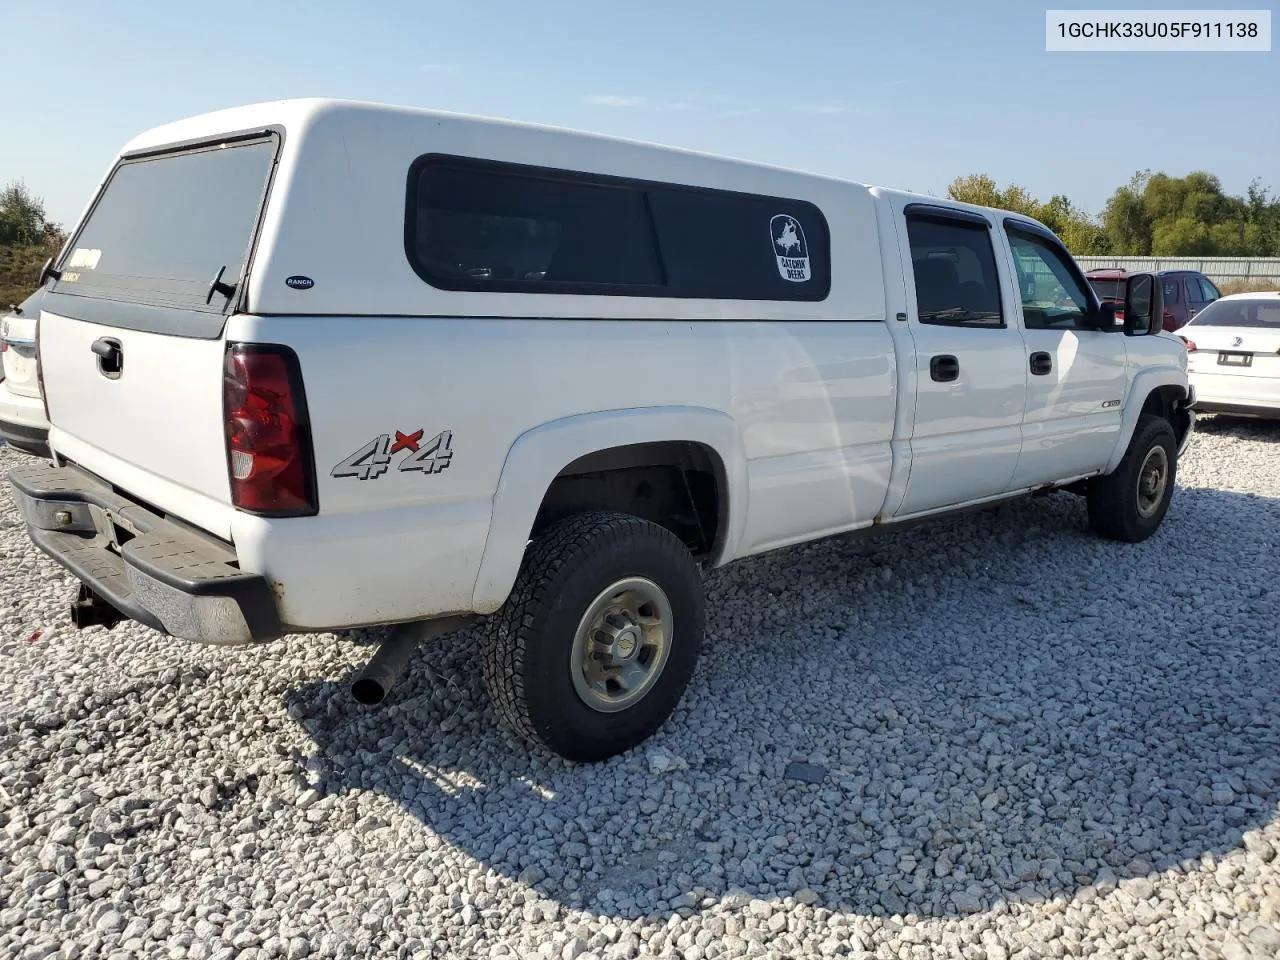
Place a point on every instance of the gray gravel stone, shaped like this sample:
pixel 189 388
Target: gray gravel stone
pixel 1266 938
pixel 1036 743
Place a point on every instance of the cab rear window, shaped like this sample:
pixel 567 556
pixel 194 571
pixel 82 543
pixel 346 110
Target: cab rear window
pixel 165 225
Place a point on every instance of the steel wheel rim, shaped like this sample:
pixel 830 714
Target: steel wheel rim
pixel 1153 480
pixel 621 645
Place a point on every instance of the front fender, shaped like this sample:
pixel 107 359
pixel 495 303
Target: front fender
pixel 538 455
pixel 1140 389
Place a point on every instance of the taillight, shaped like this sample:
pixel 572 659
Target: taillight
pixel 1191 345
pixel 269 456
pixel 1170 321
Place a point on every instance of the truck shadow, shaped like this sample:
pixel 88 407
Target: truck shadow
pixel 1003 710
pixel 1240 428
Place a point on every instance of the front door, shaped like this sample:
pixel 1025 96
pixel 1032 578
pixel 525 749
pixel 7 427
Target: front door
pixel 970 376
pixel 1076 383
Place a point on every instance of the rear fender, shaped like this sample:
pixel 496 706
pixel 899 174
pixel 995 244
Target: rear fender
pixel 538 456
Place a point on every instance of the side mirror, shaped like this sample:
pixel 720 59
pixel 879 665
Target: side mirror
pixel 1140 307
pixel 1106 317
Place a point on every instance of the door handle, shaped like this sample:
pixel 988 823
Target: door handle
pixel 944 368
pixel 1041 363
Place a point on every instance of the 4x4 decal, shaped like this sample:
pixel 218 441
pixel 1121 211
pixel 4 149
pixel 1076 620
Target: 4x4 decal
pixel 374 458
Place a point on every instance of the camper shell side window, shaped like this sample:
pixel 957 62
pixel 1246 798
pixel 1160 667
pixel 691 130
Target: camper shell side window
pixel 482 225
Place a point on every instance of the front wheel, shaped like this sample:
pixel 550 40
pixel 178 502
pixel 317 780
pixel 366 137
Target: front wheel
pixel 597 642
pixel 1130 503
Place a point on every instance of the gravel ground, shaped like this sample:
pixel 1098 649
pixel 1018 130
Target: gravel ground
pixel 1031 743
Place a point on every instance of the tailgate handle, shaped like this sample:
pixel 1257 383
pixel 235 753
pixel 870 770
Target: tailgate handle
pixel 110 357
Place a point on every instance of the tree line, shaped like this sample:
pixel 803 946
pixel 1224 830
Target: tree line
pixel 27 239
pixel 1153 215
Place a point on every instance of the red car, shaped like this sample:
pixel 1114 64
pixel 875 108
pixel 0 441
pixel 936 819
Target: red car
pixel 1186 292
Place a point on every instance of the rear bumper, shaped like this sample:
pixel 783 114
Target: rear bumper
pixel 152 569
pixel 1236 393
pixel 1268 410
pixel 33 440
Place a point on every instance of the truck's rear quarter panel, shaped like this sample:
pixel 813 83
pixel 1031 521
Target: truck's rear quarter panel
pixel 409 543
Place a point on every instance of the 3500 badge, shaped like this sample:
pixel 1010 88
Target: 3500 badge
pixel 374 458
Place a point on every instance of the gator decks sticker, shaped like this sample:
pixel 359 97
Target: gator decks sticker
pixel 374 458
pixel 789 248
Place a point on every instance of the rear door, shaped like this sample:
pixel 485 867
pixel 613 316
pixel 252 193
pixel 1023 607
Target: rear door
pixel 1196 298
pixel 131 331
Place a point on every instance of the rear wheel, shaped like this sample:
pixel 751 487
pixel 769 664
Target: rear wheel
pixel 1130 503
pixel 597 642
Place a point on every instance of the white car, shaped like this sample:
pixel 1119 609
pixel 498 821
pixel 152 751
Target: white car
pixel 317 365
pixel 1233 355
pixel 23 424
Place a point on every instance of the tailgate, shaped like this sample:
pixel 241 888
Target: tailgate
pixel 131 333
pixel 156 428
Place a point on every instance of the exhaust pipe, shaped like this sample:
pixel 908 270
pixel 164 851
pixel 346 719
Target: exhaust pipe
pixel 387 664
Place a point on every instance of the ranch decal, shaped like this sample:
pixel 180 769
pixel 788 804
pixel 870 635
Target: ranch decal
pixel 374 458
pixel 790 248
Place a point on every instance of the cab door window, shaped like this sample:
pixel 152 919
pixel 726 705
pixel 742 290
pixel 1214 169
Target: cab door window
pixel 1053 292
pixel 954 264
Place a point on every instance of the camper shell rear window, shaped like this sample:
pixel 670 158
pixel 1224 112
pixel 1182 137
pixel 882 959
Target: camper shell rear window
pixel 487 226
pixel 166 224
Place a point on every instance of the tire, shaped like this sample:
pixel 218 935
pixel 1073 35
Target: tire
pixel 1125 505
pixel 563 691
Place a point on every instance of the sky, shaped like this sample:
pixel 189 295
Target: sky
pixel 902 94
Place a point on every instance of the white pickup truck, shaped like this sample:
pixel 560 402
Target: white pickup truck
pixel 314 365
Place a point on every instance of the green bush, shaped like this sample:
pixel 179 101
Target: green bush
pixel 20 271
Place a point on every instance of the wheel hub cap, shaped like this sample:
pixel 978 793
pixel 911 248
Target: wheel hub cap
pixel 1153 479
pixel 621 645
